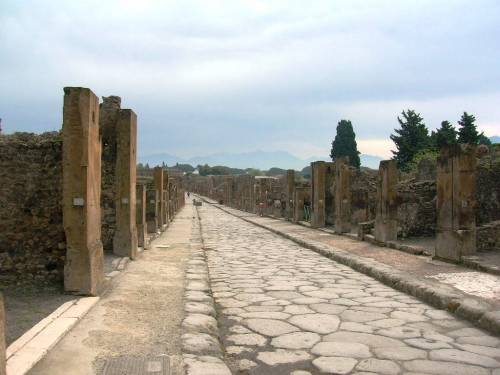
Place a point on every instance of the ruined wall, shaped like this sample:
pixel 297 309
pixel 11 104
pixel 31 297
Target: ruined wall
pixel 363 194
pixel 416 208
pixel 32 239
pixel 108 119
pixel 488 189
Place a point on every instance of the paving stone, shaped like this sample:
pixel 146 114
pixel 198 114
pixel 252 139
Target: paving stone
pixel 283 357
pixel 356 327
pixel 285 295
pixel 443 368
pixel 270 327
pixel 341 349
pixel 308 300
pixel 427 344
pixel 319 323
pixel 239 329
pixel 401 354
pixel 248 339
pixel 360 316
pixel 364 338
pixel 478 349
pixel 298 310
pixel 200 343
pixel 246 364
pixel 327 308
pixel 335 365
pixel 263 308
pixel 200 323
pixel 386 323
pixel 205 365
pixel 265 315
pixel 454 355
pixel 199 308
pixel 296 340
pixel 479 340
pixel 409 317
pixel 379 366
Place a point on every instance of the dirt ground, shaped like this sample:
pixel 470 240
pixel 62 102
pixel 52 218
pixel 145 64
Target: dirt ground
pixel 27 305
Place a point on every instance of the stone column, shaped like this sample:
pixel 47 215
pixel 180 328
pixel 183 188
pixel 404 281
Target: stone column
pixel 152 205
pixel 318 194
pixel 329 193
pixel 342 195
pixel 166 199
pixel 2 337
pixel 125 239
pixel 158 180
pixel 456 187
pixel 84 267
pixel 290 186
pixel 298 208
pixel 140 214
pixel 386 216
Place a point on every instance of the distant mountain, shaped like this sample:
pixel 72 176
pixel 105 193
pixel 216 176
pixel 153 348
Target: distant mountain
pixel 495 139
pixel 255 159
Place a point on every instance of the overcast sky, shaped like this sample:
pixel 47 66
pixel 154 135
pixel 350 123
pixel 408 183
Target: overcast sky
pixel 233 76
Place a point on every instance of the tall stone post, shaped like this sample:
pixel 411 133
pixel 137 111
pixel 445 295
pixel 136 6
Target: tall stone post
pixel 342 195
pixel 84 267
pixel 318 194
pixel 125 239
pixel 386 216
pixel 140 214
pixel 166 197
pixel 298 208
pixel 290 186
pixel 456 187
pixel 2 337
pixel 152 205
pixel 158 180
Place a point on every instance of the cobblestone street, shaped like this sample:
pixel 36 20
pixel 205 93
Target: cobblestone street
pixel 284 309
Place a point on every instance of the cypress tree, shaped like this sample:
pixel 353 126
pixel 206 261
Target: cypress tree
pixel 344 143
pixel 412 138
pixel 446 135
pixel 467 133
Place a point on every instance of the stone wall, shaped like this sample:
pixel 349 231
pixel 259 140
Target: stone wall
pixel 32 239
pixel 488 189
pixel 363 194
pixel 416 208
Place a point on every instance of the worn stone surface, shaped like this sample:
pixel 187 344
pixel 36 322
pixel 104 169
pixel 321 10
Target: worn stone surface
pixel 84 267
pixel 2 336
pixel 345 321
pixel 386 219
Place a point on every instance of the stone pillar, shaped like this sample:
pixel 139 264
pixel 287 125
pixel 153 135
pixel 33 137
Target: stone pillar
pixel 386 216
pixel 166 197
pixel 342 195
pixel 329 193
pixel 158 180
pixel 2 337
pixel 290 186
pixel 318 194
pixel 125 239
pixel 152 206
pixel 298 208
pixel 140 210
pixel 456 187
pixel 84 267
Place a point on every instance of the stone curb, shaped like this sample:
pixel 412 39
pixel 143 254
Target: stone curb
pixel 201 349
pixel 26 351
pixel 441 296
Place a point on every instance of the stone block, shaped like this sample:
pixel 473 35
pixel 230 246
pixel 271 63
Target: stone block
pixel 318 194
pixel 386 216
pixel 152 199
pixel 160 196
pixel 83 270
pixel 456 189
pixel 342 195
pixel 140 214
pixel 125 238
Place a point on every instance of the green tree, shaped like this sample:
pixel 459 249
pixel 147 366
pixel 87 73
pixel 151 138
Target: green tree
pixel 446 135
pixel 344 143
pixel 467 132
pixel 484 140
pixel 412 138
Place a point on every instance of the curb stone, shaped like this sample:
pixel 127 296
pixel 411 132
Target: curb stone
pixel 201 350
pixel 473 309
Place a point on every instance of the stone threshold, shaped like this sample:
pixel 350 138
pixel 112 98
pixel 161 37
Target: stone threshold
pixel 439 295
pixel 33 345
